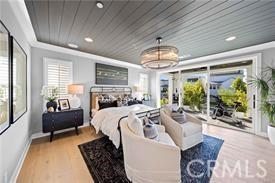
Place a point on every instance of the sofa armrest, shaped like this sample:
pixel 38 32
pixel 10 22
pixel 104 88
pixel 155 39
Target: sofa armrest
pixel 172 127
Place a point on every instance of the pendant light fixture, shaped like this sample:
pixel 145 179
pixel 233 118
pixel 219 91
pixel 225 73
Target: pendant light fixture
pixel 160 57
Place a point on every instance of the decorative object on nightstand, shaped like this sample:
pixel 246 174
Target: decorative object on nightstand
pixel 75 89
pixel 64 104
pixel 53 121
pixel 50 93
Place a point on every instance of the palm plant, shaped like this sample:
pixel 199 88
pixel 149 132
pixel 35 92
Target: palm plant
pixel 266 85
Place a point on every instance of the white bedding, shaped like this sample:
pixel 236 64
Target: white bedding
pixel 106 120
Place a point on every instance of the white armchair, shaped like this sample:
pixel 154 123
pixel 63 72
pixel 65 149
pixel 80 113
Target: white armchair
pixel 185 135
pixel 150 161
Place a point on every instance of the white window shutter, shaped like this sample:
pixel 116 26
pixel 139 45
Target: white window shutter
pixel 143 82
pixel 59 74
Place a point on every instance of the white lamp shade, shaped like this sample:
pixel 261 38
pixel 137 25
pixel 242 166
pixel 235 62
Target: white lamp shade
pixel 75 89
pixel 137 89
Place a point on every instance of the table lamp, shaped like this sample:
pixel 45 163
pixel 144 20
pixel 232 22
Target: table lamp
pixel 75 89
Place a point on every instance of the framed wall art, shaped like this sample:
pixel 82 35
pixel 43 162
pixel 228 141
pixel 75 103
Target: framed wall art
pixel 5 78
pixel 19 80
pixel 111 75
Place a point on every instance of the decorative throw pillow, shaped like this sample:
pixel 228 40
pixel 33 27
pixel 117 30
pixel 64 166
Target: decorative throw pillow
pixel 178 117
pixel 150 131
pixel 103 105
pixel 112 98
pixel 135 124
pixel 132 102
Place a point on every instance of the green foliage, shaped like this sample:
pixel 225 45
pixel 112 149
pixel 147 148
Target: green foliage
pixel 50 93
pixel 163 101
pixel 194 94
pixel 227 96
pixel 266 85
pixel 238 84
pixel 236 93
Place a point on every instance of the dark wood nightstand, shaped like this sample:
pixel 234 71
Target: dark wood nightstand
pixel 53 121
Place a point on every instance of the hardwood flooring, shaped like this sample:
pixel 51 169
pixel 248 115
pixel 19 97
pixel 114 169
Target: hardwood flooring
pixel 61 162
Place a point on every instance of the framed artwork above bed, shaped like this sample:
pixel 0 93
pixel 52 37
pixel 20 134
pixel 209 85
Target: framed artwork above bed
pixel 111 75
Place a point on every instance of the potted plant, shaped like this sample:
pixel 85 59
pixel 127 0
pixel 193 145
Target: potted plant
pixel 266 85
pixel 50 93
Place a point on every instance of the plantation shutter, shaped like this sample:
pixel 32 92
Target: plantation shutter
pixel 58 74
pixel 4 77
pixel 143 82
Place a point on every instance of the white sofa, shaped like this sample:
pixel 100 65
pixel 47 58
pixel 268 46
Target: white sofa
pixel 150 161
pixel 185 135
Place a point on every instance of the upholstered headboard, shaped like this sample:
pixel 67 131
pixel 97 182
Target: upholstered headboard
pixel 95 91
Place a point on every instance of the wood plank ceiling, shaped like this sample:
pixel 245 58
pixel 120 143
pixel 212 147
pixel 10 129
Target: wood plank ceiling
pixel 123 29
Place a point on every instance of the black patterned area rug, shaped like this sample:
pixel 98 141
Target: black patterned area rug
pixel 106 165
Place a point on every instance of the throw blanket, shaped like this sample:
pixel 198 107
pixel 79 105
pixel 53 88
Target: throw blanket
pixel 106 120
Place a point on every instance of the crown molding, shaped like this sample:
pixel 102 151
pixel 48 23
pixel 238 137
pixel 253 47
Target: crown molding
pixel 60 49
pixel 21 14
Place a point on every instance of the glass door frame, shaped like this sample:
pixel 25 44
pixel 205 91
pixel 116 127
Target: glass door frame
pixel 256 71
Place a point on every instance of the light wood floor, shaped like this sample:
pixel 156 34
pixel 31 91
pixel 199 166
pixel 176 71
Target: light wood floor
pixel 61 162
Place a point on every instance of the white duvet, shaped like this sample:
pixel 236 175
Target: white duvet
pixel 106 120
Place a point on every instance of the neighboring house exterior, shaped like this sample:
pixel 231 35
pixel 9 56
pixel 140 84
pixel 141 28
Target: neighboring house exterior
pixel 217 81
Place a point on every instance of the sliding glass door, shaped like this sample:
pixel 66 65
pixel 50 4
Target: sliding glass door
pixel 194 92
pixel 231 96
pixel 216 94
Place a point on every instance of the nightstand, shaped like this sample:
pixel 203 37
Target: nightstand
pixel 53 121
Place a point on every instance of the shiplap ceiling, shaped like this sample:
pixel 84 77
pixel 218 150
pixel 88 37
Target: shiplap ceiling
pixel 123 29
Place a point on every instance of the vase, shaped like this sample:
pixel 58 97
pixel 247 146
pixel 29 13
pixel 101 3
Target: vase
pixel 52 104
pixel 271 134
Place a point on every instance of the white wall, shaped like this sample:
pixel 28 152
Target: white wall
pixel 83 73
pixel 14 141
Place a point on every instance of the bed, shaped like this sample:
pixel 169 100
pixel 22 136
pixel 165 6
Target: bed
pixel 107 120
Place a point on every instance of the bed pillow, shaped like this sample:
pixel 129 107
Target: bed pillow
pixel 135 124
pixel 133 102
pixel 106 104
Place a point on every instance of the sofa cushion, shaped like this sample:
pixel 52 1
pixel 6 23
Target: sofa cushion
pixel 190 128
pixel 135 124
pixel 166 139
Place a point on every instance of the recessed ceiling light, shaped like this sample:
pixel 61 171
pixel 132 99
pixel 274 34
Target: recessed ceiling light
pixel 72 45
pixel 99 4
pixel 231 38
pixel 88 39
pixel 185 56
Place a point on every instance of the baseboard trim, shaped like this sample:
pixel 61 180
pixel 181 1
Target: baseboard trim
pixel 41 134
pixel 20 162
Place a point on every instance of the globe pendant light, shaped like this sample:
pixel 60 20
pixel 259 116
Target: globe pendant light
pixel 160 57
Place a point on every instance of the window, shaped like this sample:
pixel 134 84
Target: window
pixel 143 82
pixel 58 74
